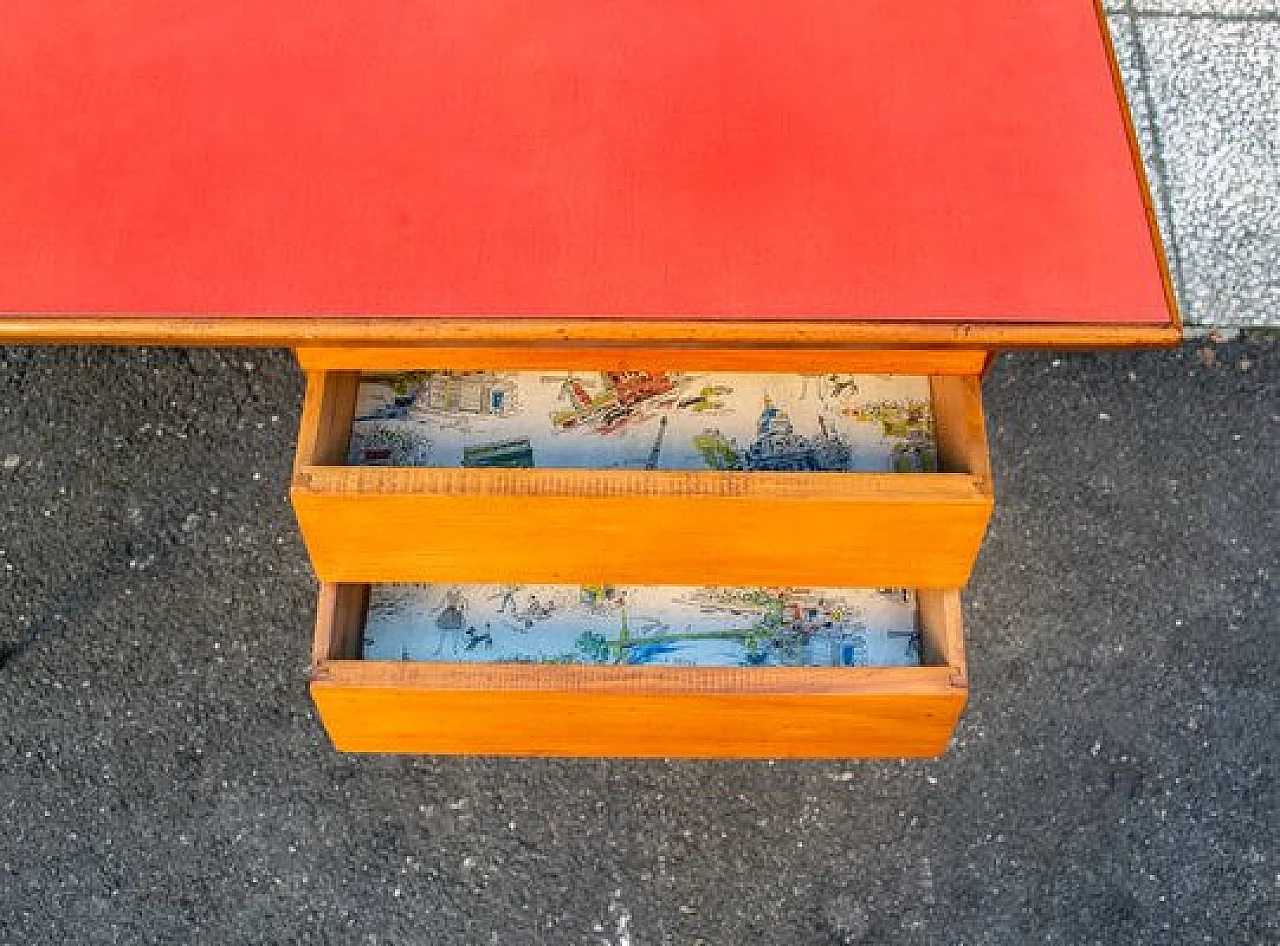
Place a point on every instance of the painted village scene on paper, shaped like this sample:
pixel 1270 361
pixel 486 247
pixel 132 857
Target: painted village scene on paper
pixel 655 421
pixel 643 625
pixel 645 420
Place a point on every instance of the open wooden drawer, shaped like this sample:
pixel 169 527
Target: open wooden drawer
pixel 645 526
pixel 611 710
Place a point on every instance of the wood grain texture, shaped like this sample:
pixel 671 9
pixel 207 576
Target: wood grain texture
pixel 371 524
pixel 614 531
pixel 340 617
pixel 16 329
pixel 599 358
pixel 942 633
pixel 555 710
pixel 579 724
pixel 961 428
pixel 328 409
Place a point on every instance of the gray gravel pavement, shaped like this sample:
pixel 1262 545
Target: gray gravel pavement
pixel 163 778
pixel 1203 80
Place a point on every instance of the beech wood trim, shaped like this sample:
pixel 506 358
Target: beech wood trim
pixel 890 488
pixel 409 330
pixel 921 361
pixel 731 681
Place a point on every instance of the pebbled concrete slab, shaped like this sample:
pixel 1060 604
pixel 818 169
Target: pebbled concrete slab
pixel 1131 57
pixel 163 780
pixel 1215 90
pixel 1201 76
pixel 1209 9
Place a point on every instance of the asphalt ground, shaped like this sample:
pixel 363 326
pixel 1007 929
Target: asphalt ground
pixel 163 778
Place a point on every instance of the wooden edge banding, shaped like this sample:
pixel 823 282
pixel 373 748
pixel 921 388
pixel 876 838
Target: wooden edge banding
pixel 638 681
pixel 340 613
pixel 923 361
pixel 265 332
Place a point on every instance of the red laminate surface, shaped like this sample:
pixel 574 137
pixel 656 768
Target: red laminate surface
pixel 853 159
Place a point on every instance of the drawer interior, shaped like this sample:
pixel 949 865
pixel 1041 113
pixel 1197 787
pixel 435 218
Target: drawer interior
pixel 924 621
pixel 641 625
pixel 643 421
pixel 437 705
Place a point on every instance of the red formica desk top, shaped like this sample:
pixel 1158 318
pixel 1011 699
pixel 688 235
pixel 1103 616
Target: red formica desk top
pixel 848 160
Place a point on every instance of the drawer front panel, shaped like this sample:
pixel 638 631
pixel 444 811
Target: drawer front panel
pixel 645 539
pixel 478 722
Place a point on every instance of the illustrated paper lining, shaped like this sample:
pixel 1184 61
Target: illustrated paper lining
pixel 643 625
pixel 645 420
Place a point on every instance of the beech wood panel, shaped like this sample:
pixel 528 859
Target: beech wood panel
pixel 960 428
pixel 558 710
pixel 682 537
pixel 374 524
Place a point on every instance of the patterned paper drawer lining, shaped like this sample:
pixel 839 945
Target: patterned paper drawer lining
pixel 670 625
pixel 645 420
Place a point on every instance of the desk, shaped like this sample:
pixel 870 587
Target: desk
pixel 822 186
